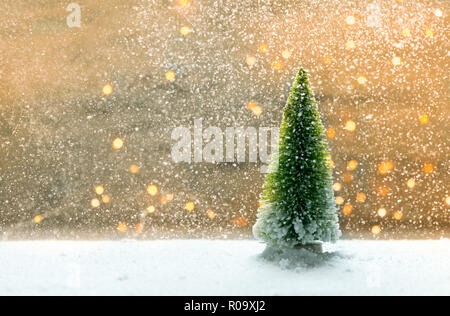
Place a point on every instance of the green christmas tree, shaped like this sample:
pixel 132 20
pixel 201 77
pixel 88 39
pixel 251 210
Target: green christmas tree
pixel 298 206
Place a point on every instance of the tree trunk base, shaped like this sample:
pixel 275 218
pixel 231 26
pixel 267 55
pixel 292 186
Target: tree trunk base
pixel 315 247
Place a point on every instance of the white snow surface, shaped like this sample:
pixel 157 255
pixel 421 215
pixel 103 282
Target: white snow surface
pixel 220 267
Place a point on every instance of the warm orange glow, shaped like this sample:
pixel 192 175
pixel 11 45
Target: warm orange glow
pixel 257 110
pixel 122 227
pixel 350 20
pixel 376 230
pixel 117 144
pixel 428 168
pixel 134 169
pixel 361 197
pixel 411 183
pixel 331 133
pixel 277 65
pixel 170 197
pixel 163 200
pixel 385 167
pixel 95 203
pixel 170 75
pixel 429 33
pixel 337 187
pixel 447 200
pixel 398 215
pixel 240 222
pixel 107 89
pixel 347 210
pixel 286 54
pixel 396 61
pixel 382 212
pixel 340 200
pixel 424 119
pixel 263 48
pixel 250 60
pixel 106 199
pixel 38 219
pixel 327 60
pixel 251 105
pixel 350 126
pixel 383 191
pixel 350 45
pixel 362 80
pixel 99 189
pixel 348 177
pixel 352 165
pixel 139 227
pixel 152 190
pixel 184 3
pixel 151 209
pixel 185 30
pixel 190 206
pixel 211 214
pixel 406 32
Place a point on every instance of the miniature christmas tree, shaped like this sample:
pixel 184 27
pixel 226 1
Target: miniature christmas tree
pixel 298 207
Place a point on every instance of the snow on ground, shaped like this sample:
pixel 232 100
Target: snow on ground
pixel 211 267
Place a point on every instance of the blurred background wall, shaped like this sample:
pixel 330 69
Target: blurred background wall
pixel 86 114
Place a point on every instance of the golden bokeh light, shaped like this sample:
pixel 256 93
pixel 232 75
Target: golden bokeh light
pixel 385 167
pixel 263 48
pixel 95 203
pixel 350 20
pixel 240 222
pixel 340 200
pixel 151 209
pixel 438 13
pixel 350 126
pixel 211 214
pixel 286 54
pixel 396 61
pixel 134 169
pixel 122 227
pixel 183 3
pixel 361 80
pixel 347 209
pixel 117 144
pixel 331 133
pixel 139 227
pixel 163 200
pixel 38 219
pixel 411 183
pixel 383 190
pixel 250 60
pixel 447 200
pixel 382 212
pixel 337 186
pixel 327 60
pixel 257 110
pixel 190 206
pixel 277 65
pixel 361 197
pixel 107 89
pixel 429 33
pixel 376 230
pixel 106 199
pixel 352 165
pixel 428 168
pixel 99 189
pixel 152 190
pixel 185 30
pixel 424 119
pixel 398 215
pixel 170 75
pixel 350 44
pixel 406 32
pixel 170 197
